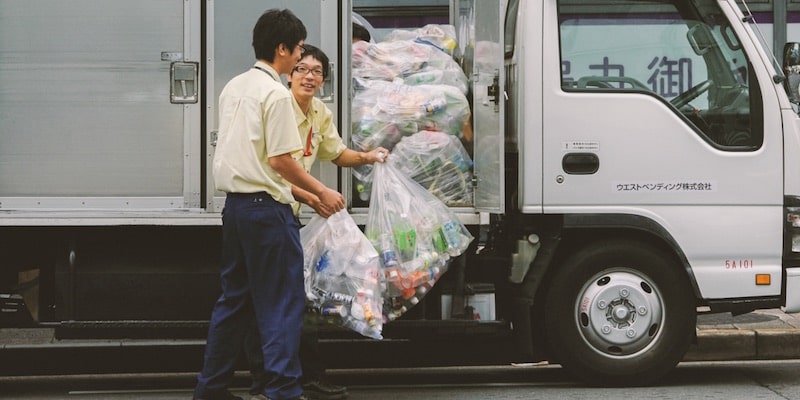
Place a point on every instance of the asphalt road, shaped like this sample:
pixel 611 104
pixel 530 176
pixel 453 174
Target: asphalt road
pixel 701 380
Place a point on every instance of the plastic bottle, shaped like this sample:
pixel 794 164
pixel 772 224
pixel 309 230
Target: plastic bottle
pixel 363 191
pixel 332 297
pixel 405 236
pixel 337 310
pixel 396 313
pixel 426 287
pixel 362 309
pixel 452 233
pixel 429 77
pixel 388 255
pixel 428 258
pixel 410 302
pixel 420 277
pixel 434 105
pixel 433 166
pixel 410 266
pixel 439 239
pixel 423 277
pixel 366 124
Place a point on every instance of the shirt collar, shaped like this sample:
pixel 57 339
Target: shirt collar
pixel 268 69
pixel 299 116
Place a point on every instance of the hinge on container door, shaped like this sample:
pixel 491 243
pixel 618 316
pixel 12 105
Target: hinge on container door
pixel 212 138
pixel 474 188
pixel 493 91
pixel 326 92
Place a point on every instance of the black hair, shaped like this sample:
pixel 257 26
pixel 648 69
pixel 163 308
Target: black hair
pixel 359 32
pixel 320 55
pixel 276 27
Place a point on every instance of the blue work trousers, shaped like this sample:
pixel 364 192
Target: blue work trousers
pixel 262 274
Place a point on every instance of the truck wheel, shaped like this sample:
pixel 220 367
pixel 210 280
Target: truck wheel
pixel 619 314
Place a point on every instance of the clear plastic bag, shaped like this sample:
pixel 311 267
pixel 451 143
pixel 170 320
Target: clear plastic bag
pixel 443 37
pixel 385 112
pixel 341 271
pixel 407 60
pixel 439 163
pixel 416 236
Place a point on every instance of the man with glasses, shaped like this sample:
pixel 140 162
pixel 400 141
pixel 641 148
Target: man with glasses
pixel 321 140
pixel 315 125
pixel 262 259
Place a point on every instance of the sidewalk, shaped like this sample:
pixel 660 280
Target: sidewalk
pixel 759 335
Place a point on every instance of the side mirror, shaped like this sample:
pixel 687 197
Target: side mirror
pixel 791 67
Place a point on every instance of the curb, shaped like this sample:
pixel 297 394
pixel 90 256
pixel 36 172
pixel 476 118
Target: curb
pixel 745 344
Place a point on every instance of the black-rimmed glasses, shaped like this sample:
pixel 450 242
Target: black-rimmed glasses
pixel 302 70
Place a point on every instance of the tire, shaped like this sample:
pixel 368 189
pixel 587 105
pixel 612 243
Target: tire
pixel 619 313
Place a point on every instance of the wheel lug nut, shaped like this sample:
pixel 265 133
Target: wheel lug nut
pixel 606 329
pixel 630 333
pixel 624 293
pixel 642 310
pixel 601 304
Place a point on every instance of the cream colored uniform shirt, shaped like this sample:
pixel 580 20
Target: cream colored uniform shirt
pixel 255 123
pixel 319 137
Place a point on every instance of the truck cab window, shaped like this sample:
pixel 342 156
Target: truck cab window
pixel 682 52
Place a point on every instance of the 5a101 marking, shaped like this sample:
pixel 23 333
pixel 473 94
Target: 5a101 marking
pixel 739 264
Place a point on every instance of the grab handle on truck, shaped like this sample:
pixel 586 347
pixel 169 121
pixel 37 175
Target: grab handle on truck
pixel 580 163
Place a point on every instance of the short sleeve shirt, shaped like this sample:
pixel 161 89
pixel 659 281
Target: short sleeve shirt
pixel 256 122
pixel 319 136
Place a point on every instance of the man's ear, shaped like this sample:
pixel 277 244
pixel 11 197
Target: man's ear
pixel 281 49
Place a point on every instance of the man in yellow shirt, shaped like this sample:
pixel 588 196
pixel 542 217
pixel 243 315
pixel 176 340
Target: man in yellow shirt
pixel 315 125
pixel 320 140
pixel 262 259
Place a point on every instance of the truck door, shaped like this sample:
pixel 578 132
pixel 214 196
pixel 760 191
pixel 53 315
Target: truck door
pixel 480 29
pixel 668 124
pixel 99 104
pixel 231 53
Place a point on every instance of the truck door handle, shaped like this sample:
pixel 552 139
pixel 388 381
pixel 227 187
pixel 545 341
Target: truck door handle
pixel 580 163
pixel 183 82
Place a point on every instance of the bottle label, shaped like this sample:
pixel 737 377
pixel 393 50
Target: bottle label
pixel 406 240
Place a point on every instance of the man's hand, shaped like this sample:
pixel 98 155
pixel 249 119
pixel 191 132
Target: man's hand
pixel 376 155
pixel 330 202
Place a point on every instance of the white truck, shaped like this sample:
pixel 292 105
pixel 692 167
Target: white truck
pixel 635 162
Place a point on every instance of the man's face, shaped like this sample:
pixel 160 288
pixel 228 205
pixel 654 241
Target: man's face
pixel 297 52
pixel 286 58
pixel 306 77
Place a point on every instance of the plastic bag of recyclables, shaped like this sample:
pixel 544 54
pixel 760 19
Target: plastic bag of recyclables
pixel 406 60
pixel 384 112
pixel 443 37
pixel 439 163
pixel 341 271
pixel 416 236
pixel 404 85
